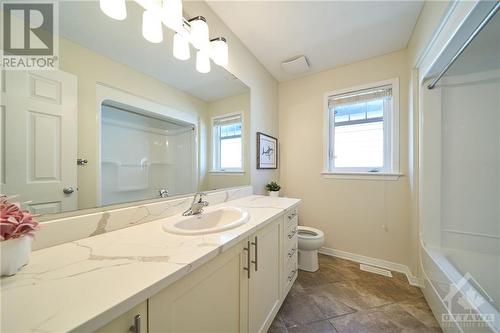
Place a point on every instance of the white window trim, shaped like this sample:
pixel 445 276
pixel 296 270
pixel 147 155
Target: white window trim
pixel 230 171
pixel 393 121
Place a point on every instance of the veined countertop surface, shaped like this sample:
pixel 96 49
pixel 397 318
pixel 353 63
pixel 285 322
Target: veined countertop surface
pixel 84 284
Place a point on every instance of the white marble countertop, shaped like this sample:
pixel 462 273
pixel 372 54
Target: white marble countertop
pixel 84 284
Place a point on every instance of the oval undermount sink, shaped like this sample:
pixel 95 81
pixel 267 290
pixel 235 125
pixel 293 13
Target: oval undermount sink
pixel 217 220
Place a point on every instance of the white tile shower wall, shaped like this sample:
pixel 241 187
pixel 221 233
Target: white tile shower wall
pixel 82 226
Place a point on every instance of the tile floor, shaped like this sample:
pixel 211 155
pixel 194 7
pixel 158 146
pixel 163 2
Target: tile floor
pixel 340 298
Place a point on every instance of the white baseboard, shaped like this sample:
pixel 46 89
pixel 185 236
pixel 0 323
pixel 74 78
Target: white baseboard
pixel 392 266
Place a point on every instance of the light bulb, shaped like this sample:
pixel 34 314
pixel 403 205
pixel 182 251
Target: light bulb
pixel 202 62
pixel 219 51
pixel 152 29
pixel 181 47
pixel 172 14
pixel 116 9
pixel 199 32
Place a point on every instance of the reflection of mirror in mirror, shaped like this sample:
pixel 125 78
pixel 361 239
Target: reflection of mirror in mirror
pixel 121 120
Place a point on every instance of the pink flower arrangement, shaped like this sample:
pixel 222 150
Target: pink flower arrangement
pixel 14 222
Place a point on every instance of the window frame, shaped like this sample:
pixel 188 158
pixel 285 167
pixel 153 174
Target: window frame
pixel 391 137
pixel 215 148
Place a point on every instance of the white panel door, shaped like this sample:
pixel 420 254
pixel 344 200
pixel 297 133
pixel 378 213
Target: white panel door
pixel 264 283
pixel 39 112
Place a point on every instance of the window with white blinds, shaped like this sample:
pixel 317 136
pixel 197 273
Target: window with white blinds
pixel 362 129
pixel 227 143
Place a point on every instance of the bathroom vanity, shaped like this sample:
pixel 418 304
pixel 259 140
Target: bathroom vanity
pixel 146 279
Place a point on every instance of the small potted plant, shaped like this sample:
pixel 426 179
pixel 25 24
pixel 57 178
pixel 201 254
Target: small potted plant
pixel 273 189
pixel 16 236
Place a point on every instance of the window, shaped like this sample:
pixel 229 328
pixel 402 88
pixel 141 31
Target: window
pixel 227 143
pixel 362 129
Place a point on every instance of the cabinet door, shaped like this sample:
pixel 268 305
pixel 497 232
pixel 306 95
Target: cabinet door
pixel 264 283
pixel 127 322
pixel 213 298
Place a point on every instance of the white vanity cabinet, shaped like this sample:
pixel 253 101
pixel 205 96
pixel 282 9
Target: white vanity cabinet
pixel 264 292
pixel 213 298
pixel 239 291
pixel 132 321
pixel 290 250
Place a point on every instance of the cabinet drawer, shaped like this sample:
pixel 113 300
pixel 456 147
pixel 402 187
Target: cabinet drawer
pixel 290 275
pixel 291 233
pixel 292 216
pixel 291 254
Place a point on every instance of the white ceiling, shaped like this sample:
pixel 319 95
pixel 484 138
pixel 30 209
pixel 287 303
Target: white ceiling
pixel 84 23
pixel 328 33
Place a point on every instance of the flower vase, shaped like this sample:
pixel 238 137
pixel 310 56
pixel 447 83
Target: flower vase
pixel 274 193
pixel 14 254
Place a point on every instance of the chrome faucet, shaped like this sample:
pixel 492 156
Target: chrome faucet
pixel 163 192
pixel 197 205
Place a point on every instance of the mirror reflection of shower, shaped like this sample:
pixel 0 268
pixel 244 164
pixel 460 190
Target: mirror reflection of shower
pixel 144 155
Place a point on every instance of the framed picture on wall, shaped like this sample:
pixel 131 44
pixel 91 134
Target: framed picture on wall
pixel 267 151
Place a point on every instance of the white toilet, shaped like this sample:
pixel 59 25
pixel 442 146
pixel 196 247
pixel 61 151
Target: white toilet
pixel 310 240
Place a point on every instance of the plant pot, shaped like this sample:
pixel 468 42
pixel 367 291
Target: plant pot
pixel 274 193
pixel 15 254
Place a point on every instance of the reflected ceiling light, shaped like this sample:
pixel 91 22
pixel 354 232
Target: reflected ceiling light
pixel 152 29
pixel 219 51
pixel 181 49
pixel 116 9
pixel 199 32
pixel 169 13
pixel 202 61
pixel 172 12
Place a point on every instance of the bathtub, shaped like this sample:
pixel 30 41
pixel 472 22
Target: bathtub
pixel 443 286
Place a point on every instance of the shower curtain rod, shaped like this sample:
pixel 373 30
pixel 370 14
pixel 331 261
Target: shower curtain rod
pixel 183 125
pixel 467 42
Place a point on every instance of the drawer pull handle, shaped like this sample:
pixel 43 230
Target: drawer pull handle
pixel 291 216
pixel 256 253
pixel 136 328
pixel 291 234
pixel 292 252
pixel 291 275
pixel 248 259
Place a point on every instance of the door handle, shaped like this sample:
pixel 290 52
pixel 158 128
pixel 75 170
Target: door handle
pixel 136 328
pixel 256 253
pixel 248 259
pixel 68 190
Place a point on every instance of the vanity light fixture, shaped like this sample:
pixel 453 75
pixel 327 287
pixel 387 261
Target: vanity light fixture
pixel 116 9
pixel 169 13
pixel 202 61
pixel 172 14
pixel 152 29
pixel 181 49
pixel 199 32
pixel 219 51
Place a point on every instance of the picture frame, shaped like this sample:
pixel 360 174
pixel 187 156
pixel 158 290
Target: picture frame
pixel 267 151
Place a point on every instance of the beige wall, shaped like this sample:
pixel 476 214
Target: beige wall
pixel 352 213
pixel 92 68
pixel 264 89
pixel 233 104
pixel 427 23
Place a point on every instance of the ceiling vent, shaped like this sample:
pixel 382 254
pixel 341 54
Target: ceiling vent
pixel 296 65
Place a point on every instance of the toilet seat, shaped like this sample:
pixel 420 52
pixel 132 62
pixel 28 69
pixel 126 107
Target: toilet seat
pixel 310 241
pixel 310 233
